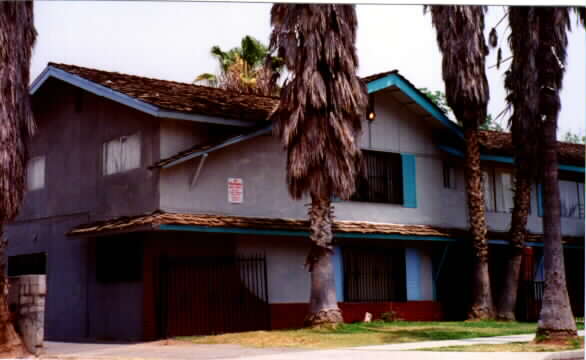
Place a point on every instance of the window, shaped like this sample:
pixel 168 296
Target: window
pixel 118 259
pixel 374 274
pixel 449 176
pixel 499 190
pixel 35 173
pixel 571 199
pixel 121 154
pixel 29 264
pixel 381 179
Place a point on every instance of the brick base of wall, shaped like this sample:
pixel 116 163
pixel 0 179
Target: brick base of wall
pixel 291 315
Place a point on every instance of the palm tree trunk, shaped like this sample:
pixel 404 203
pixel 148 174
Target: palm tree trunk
pixel 556 319
pixel 323 306
pixel 10 342
pixel 482 304
pixel 517 234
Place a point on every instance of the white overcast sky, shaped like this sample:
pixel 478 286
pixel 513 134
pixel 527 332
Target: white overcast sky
pixel 171 41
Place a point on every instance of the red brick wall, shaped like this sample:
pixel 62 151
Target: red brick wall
pixel 286 316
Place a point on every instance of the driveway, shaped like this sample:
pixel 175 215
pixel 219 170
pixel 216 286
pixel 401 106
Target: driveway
pixel 154 350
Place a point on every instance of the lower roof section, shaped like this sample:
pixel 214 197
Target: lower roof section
pixel 212 223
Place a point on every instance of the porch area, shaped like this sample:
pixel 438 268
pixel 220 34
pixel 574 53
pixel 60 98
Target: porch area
pixel 208 274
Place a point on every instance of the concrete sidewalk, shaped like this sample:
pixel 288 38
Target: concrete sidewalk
pixel 443 343
pixel 365 354
pixel 405 351
pixel 185 351
pixel 175 350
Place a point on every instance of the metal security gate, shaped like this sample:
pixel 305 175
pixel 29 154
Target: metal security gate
pixel 212 295
pixel 530 300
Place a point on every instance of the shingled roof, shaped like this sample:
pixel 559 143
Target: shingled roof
pixel 177 96
pixel 153 220
pixel 374 77
pixel 500 143
pixel 203 100
pixel 207 220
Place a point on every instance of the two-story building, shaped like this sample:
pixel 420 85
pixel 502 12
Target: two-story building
pixel 159 208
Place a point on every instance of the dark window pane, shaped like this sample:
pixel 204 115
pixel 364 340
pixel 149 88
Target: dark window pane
pixel 381 178
pixel 29 264
pixel 374 275
pixel 118 260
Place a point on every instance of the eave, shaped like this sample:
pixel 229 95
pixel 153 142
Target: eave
pixel 102 91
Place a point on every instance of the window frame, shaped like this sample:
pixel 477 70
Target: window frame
pixel 356 264
pixel 497 191
pixel 29 170
pixel 580 200
pixel 121 168
pixel 449 175
pixel 16 264
pixel 393 192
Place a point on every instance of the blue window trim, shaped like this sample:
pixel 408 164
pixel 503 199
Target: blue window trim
pixel 338 261
pixel 413 274
pixel 409 180
pixel 540 200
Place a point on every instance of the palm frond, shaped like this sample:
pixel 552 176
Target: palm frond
pixel 463 60
pixel 581 14
pixel 210 79
pixel 319 115
pixel 522 85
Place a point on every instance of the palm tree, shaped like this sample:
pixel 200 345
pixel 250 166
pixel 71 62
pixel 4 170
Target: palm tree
pixel 522 86
pixel 318 120
pixel 461 40
pixel 17 37
pixel 556 319
pixel 249 68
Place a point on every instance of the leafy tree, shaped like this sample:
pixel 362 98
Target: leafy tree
pixel 460 31
pixel 17 38
pixel 318 120
pixel 439 99
pixel 491 124
pixel 570 137
pixel 248 68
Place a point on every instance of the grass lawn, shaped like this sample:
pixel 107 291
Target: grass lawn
pixel 361 334
pixel 515 347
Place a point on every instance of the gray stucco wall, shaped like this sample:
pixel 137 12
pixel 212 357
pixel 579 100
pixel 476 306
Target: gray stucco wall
pixel 75 192
pixel 260 162
pixel 66 301
pixel 287 277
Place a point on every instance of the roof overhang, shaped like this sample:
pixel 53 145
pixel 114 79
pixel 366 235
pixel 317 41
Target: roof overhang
pixel 241 225
pixel 505 159
pixel 231 141
pixel 417 97
pixel 99 90
pixel 211 223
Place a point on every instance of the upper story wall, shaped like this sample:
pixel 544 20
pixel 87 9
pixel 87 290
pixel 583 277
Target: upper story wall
pixel 72 127
pixel 260 163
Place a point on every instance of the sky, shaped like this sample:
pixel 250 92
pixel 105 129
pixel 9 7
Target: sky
pixel 172 41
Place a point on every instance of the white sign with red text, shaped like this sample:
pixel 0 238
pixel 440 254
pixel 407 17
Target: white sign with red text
pixel 235 190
